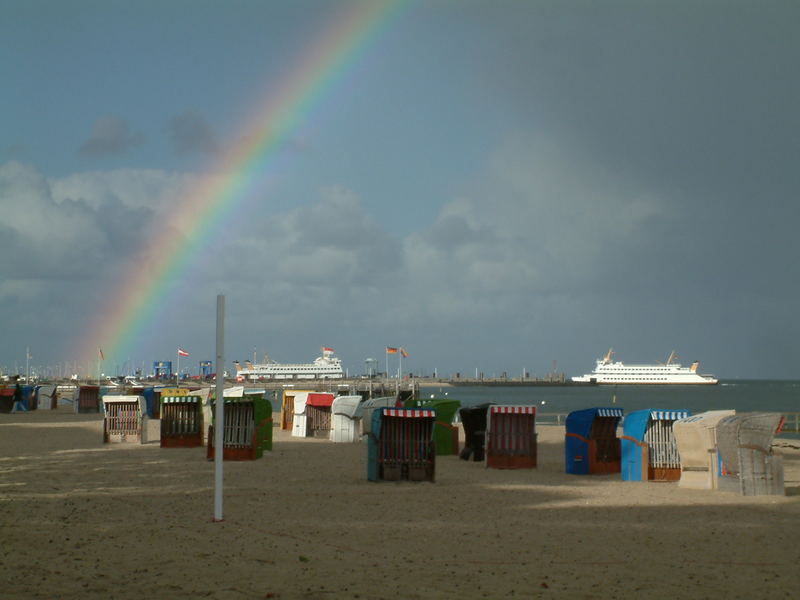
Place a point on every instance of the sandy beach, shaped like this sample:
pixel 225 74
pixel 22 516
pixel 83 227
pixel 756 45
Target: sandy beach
pixel 81 519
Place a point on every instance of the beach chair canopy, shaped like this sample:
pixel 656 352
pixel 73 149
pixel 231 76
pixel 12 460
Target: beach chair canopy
pixel 754 431
pixel 318 400
pixel 203 393
pixel 380 415
pixel 696 435
pixel 300 401
pixel 370 405
pixel 379 402
pixel 110 398
pixel 179 391
pixel 636 422
pixel 445 408
pixel 473 418
pixel 580 421
pixel 648 445
pixel 349 406
pixel 468 413
pixel 193 399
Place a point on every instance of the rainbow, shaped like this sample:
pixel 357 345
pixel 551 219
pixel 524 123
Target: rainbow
pixel 134 303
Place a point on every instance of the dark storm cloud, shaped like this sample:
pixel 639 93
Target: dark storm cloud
pixel 698 99
pixel 692 104
pixel 110 136
pixel 190 133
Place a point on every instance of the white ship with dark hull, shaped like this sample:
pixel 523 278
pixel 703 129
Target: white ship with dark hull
pixel 326 366
pixel 608 371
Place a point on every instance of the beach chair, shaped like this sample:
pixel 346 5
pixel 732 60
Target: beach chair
pixel 318 414
pixel 46 397
pixel 346 414
pixel 745 446
pixel 88 399
pixel 473 419
pixel 247 428
pixel 511 437
pixel 181 420
pixel 696 437
pixel 400 445
pixel 287 407
pixel 649 448
pixel 591 445
pixel 124 419
pixel 6 399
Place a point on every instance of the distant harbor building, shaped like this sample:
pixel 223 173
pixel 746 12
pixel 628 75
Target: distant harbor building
pixel 371 367
pixel 162 369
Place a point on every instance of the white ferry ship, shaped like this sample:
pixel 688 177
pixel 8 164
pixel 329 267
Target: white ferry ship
pixel 671 372
pixel 326 366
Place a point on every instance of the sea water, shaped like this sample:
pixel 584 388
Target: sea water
pixel 739 395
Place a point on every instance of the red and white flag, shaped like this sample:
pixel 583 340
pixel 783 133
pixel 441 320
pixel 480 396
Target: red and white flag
pixel 182 352
pixel 326 349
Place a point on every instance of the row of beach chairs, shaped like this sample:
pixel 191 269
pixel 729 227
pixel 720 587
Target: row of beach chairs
pixel 187 420
pixel 711 450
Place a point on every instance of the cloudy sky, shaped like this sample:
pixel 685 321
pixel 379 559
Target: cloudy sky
pixel 492 185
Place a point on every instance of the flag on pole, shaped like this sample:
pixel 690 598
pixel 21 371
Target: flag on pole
pixel 403 353
pixel 326 349
pixel 182 352
pixel 390 350
pixel 102 356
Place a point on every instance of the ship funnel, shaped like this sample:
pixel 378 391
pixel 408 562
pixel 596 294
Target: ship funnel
pixel 695 366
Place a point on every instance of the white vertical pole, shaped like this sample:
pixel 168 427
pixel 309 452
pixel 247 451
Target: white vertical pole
pixel 178 374
pixel 219 408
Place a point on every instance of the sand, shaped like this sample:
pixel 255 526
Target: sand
pixel 85 520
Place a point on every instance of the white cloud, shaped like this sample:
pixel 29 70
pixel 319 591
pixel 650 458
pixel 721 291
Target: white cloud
pixel 43 238
pixel 503 260
pixel 330 242
pixel 134 188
